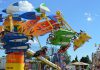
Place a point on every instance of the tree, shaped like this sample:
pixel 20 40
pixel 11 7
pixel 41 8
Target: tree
pixel 85 59
pixel 66 58
pixel 76 59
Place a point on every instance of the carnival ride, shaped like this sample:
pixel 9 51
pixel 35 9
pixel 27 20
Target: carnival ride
pixel 15 33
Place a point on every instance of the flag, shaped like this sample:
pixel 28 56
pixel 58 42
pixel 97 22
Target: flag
pixel 29 15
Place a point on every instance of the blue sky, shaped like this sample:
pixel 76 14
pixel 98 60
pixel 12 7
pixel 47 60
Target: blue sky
pixel 80 14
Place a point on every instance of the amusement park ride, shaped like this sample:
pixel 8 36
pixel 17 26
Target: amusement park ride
pixel 15 33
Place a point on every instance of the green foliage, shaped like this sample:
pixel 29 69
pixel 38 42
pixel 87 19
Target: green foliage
pixel 75 60
pixel 86 59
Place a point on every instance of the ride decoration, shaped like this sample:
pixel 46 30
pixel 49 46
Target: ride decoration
pixel 83 37
pixel 61 32
pixel 61 37
pixel 15 32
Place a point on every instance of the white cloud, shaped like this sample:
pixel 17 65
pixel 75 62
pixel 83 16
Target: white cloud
pixel 12 9
pixel 89 19
pixel 25 6
pixel 88 16
pixel 22 6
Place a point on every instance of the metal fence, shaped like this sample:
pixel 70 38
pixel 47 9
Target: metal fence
pixel 33 65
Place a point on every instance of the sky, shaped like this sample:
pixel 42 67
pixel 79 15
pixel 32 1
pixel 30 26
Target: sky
pixel 80 15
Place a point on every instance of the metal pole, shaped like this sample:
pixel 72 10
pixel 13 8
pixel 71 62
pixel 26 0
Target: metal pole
pixel 38 41
pixel 11 23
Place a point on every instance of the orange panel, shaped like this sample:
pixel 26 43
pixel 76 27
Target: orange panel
pixel 42 28
pixel 15 58
pixel 21 28
pixel 25 27
pixel 6 23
